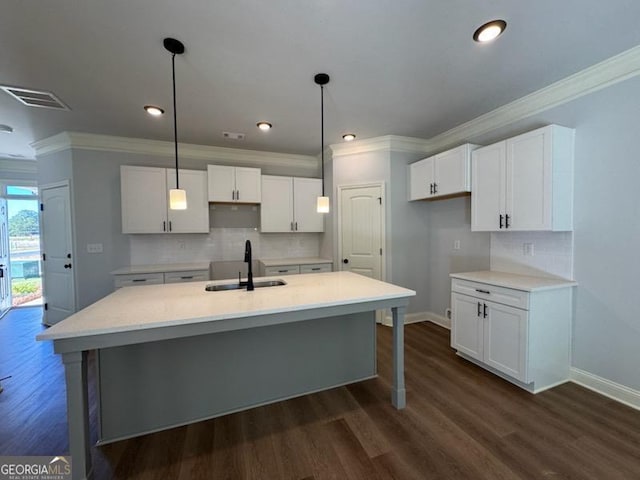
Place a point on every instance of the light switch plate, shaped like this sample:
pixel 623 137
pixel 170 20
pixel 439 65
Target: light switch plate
pixel 94 248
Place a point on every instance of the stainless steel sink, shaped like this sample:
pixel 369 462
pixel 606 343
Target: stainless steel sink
pixel 243 285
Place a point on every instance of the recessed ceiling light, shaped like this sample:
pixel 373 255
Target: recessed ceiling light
pixel 153 110
pixel 6 128
pixel 347 137
pixel 264 126
pixel 489 31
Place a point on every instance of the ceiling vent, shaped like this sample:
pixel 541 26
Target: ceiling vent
pixel 233 135
pixel 35 98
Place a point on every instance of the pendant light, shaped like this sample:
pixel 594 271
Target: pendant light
pixel 177 196
pixel 323 202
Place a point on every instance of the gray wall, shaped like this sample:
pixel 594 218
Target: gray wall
pixel 450 220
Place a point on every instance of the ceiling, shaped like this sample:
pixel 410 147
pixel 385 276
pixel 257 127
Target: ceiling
pixel 407 67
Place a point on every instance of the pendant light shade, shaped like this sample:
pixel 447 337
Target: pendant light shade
pixel 177 196
pixel 322 79
pixel 177 199
pixel 323 205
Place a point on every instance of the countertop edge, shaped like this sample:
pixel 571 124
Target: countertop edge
pixel 515 281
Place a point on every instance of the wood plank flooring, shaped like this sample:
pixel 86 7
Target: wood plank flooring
pixel 460 423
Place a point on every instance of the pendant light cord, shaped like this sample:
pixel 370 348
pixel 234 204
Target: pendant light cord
pixel 175 115
pixel 322 133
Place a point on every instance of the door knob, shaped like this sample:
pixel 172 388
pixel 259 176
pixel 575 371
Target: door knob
pixel 346 260
pixel 67 265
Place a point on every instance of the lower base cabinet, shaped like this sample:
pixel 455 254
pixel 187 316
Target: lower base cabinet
pixel 522 336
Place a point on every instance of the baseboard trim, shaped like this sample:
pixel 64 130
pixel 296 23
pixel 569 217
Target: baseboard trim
pixel 612 390
pixel 420 317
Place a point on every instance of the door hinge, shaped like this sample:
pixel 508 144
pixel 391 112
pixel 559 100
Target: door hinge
pixel 42 207
pixel 380 251
pixel 46 306
pixel 44 257
pixel 380 200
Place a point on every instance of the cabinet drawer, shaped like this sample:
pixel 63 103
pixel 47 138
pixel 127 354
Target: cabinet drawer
pixel 505 296
pixel 186 276
pixel 138 279
pixel 316 268
pixel 282 270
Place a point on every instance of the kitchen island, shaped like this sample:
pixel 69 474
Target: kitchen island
pixel 175 354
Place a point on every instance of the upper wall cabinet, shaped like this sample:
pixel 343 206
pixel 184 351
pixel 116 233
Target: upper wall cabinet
pixel 144 194
pixel 440 175
pixel 234 184
pixel 524 183
pixel 289 204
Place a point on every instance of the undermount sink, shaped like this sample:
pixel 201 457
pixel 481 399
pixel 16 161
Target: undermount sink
pixel 243 285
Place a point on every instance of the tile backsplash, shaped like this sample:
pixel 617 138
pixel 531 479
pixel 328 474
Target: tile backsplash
pixel 221 244
pixel 546 254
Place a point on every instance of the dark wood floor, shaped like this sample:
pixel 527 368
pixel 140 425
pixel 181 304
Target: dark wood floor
pixel 460 423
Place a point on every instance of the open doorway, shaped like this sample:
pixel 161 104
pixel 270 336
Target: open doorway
pixel 23 232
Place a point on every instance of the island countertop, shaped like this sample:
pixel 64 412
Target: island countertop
pixel 135 309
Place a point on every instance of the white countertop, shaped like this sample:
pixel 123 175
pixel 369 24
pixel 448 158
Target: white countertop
pixel 153 306
pixel 517 282
pixel 160 268
pixel 274 262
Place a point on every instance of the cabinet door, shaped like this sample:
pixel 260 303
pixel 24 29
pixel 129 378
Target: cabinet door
pixel 221 183
pixel 248 184
pixel 305 214
pixel 144 199
pixel 276 210
pixel 466 325
pixel 420 178
pixel 505 340
pixel 195 219
pixel 451 171
pixel 528 181
pixel 487 189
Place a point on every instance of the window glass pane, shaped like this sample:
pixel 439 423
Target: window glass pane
pixel 21 190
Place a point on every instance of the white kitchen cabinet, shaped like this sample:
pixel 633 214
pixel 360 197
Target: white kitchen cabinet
pixel 444 174
pixel 289 204
pixel 234 184
pixel 139 275
pixel 292 266
pixel 145 206
pixel 522 336
pixel 524 183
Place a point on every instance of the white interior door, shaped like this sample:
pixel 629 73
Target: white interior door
pixel 58 279
pixel 361 213
pixel 5 272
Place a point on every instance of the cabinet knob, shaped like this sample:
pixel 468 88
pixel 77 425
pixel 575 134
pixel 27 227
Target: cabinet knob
pixel 67 265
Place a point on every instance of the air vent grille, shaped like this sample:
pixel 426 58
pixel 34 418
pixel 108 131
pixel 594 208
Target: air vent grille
pixel 35 98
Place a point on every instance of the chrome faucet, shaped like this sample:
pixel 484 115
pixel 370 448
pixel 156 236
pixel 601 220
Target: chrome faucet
pixel 247 258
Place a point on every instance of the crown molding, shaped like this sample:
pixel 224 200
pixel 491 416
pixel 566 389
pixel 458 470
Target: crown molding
pixel 90 141
pixel 11 165
pixel 597 77
pixel 385 143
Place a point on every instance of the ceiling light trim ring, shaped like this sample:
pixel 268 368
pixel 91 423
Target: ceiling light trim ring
pixel 500 24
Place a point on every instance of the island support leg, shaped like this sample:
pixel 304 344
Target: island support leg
pixel 398 392
pixel 75 365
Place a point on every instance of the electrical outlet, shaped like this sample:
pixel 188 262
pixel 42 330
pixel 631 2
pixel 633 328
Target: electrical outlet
pixel 456 244
pixel 94 248
pixel 527 249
